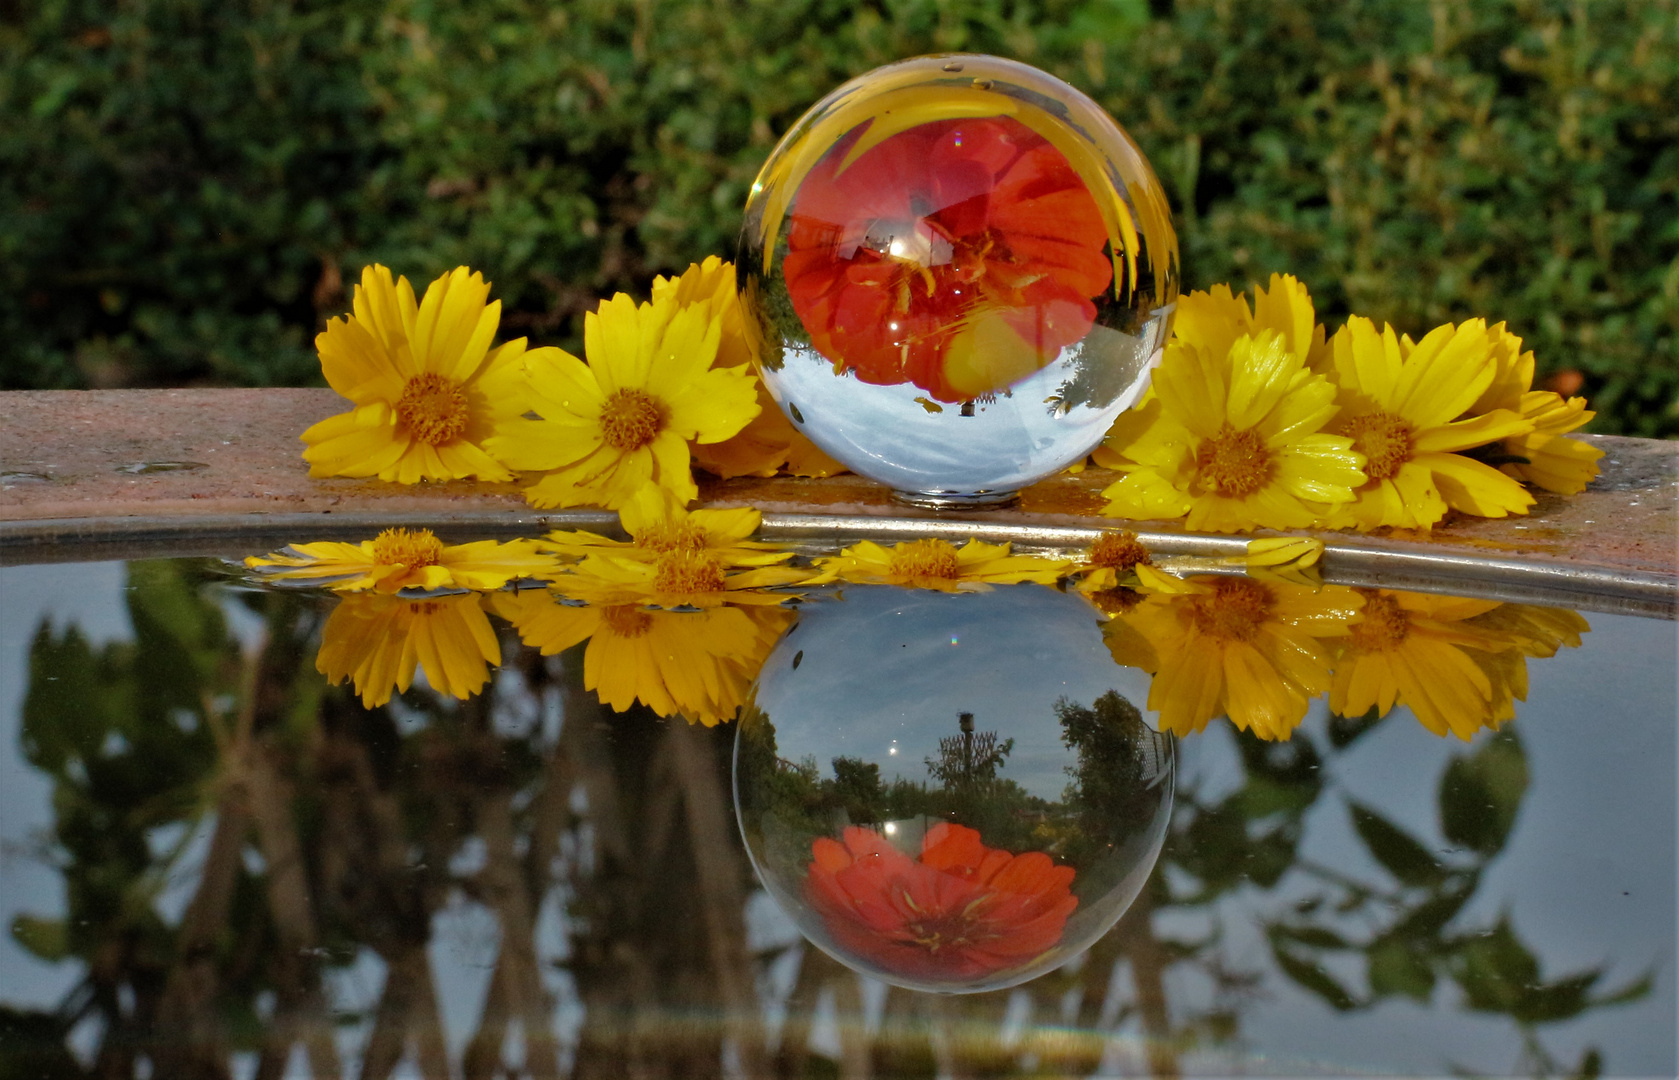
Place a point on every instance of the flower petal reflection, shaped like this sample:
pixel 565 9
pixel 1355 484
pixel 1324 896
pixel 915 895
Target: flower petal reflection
pixel 377 641
pixel 1235 646
pixel 1459 664
pixel 696 664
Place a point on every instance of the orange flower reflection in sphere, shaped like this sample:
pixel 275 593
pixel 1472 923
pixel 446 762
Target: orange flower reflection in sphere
pixel 959 255
pixel 961 911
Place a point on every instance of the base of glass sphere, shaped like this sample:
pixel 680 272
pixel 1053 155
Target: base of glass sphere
pixel 957 500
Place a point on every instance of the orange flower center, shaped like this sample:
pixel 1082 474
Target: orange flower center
pixel 945 931
pixel 1383 439
pixel 626 620
pixel 1115 601
pixel 1234 463
pixel 630 419
pixel 673 536
pixel 432 408
pixel 400 547
pixel 685 573
pixel 1381 626
pixel 1235 610
pixel 1118 549
pixel 924 559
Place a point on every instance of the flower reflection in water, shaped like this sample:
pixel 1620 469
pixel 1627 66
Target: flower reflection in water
pixel 696 664
pixel 1458 663
pixel 377 641
pixel 1235 646
pixel 961 911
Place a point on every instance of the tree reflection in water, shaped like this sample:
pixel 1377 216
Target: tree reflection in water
pixel 308 832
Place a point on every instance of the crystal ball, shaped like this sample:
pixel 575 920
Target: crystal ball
pixel 962 271
pixel 951 792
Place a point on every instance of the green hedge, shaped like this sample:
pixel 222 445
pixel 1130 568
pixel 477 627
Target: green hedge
pixel 187 187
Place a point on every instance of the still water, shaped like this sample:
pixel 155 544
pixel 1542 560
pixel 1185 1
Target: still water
pixel 214 863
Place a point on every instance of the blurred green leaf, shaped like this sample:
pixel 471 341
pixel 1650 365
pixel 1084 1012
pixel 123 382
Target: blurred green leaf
pixel 1392 968
pixel 1313 978
pixel 1344 730
pixel 1481 792
pixel 43 938
pixel 1395 849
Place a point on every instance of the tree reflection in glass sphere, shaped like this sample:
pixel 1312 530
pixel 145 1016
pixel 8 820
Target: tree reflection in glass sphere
pixel 951 792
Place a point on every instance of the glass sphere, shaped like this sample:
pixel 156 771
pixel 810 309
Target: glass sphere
pixel 951 792
pixel 963 271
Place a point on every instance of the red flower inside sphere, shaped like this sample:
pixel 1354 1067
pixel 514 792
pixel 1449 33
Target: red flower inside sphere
pixel 959 255
pixel 960 912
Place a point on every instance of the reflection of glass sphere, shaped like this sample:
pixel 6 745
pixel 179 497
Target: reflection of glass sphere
pixel 951 792
pixel 963 270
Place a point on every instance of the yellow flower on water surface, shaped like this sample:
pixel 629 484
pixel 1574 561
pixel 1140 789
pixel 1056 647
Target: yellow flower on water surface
pixel 1400 403
pixel 659 525
pixel 1231 441
pixel 407 559
pixel 626 417
pixel 426 386
pixel 1425 652
pixel 1555 463
pixel 696 664
pixel 1233 646
pixel 377 641
pixel 939 564
pixel 770 441
pixel 1111 562
pixel 681 578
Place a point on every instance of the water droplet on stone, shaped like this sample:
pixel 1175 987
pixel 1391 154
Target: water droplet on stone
pixel 137 467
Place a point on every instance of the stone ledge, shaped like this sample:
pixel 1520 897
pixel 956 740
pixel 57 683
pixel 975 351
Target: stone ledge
pixel 84 474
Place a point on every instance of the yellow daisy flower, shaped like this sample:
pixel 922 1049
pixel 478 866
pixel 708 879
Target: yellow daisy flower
pixel 1400 403
pixel 1512 372
pixel 426 386
pixel 658 524
pixel 939 564
pixel 1231 441
pixel 1213 321
pixel 400 559
pixel 1554 463
pixel 407 560
pixel 1421 651
pixel 377 641
pixel 1233 646
pixel 769 441
pixel 626 417
pixel 1111 562
pixel 695 664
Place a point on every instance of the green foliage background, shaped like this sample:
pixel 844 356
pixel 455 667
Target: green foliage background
pixel 189 187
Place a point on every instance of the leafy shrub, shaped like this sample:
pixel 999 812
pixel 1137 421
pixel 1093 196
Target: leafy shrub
pixel 187 188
